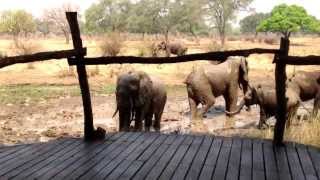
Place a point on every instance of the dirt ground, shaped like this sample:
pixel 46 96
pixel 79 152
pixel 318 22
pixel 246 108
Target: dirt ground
pixel 52 118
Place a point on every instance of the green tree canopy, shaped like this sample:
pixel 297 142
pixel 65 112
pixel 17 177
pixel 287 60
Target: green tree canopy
pixel 250 23
pixel 16 22
pixel 288 19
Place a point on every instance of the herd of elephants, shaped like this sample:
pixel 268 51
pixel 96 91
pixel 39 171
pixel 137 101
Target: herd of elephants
pixel 140 97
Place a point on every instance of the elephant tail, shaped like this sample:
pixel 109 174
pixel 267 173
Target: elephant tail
pixel 114 114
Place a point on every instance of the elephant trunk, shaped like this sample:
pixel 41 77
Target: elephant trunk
pixel 242 103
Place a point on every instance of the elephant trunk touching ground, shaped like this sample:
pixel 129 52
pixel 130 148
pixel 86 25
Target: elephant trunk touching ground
pixel 139 98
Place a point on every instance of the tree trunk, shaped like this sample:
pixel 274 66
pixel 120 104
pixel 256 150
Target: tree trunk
pixel 66 36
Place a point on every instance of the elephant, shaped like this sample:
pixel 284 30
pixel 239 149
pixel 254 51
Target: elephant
pixel 308 87
pixel 139 98
pixel 206 83
pixel 266 99
pixel 172 48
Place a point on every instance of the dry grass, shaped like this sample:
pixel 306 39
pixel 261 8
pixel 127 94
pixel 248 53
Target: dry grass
pixel 112 44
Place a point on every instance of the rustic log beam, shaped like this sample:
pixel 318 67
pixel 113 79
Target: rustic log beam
pixel 281 77
pixel 302 60
pixel 214 56
pixel 89 132
pixel 41 56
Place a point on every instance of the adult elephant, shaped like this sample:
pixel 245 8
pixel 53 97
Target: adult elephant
pixel 308 87
pixel 172 48
pixel 206 83
pixel 139 98
pixel 266 99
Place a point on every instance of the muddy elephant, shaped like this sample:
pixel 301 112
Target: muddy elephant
pixel 204 84
pixel 266 99
pixel 308 87
pixel 139 98
pixel 172 48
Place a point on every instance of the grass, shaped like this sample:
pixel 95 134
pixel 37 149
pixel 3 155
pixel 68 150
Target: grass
pixel 27 93
pixel 306 132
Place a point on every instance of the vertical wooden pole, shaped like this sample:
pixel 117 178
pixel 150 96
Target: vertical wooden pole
pixel 82 76
pixel 281 77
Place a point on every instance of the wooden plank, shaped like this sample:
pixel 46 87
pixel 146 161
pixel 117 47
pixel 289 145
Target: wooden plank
pixel 282 162
pixel 166 157
pixel 315 158
pixel 19 153
pixel 14 163
pixel 86 166
pixel 199 160
pixel 294 162
pixel 211 160
pixel 80 160
pixel 10 150
pixel 72 160
pixel 111 156
pixel 257 160
pixel 234 160
pixel 175 160
pixel 130 172
pixel 270 161
pixel 41 56
pixel 186 162
pixel 303 60
pixel 61 158
pixel 306 163
pixel 151 161
pixel 82 77
pixel 215 56
pixel 246 160
pixel 118 171
pixel 38 158
pixel 223 159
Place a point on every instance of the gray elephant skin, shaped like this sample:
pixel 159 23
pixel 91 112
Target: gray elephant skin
pixel 172 48
pixel 308 87
pixel 204 84
pixel 266 99
pixel 139 98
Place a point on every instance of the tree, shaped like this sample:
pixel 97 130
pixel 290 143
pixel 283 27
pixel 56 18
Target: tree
pixel 107 15
pixel 250 23
pixel 57 17
pixel 288 19
pixel 42 26
pixel 17 22
pixel 221 12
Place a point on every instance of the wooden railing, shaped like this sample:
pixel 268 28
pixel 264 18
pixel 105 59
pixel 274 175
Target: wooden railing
pixel 77 57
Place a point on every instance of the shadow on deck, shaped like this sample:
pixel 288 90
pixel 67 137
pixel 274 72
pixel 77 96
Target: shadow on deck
pixel 160 156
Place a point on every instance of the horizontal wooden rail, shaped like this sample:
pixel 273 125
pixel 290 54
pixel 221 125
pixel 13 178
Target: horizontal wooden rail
pixel 41 56
pixel 302 60
pixel 215 56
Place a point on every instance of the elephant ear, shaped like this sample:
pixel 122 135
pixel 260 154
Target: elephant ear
pixel 244 69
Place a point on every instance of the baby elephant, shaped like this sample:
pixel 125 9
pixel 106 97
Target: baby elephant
pixel 172 48
pixel 267 101
pixel 139 98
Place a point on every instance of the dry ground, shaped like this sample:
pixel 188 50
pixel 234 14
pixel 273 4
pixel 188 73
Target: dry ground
pixel 44 102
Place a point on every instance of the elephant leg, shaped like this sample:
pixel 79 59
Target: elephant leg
pixel 124 120
pixel 209 101
pixel 148 121
pixel 138 121
pixel 263 118
pixel 157 117
pixel 231 103
pixel 316 106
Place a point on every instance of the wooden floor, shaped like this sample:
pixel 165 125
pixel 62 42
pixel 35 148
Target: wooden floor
pixel 160 156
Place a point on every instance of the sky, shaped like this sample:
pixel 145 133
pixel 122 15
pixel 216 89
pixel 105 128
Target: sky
pixel 36 7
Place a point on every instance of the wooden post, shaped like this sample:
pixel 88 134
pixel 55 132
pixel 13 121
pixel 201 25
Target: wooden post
pixel 82 76
pixel 281 77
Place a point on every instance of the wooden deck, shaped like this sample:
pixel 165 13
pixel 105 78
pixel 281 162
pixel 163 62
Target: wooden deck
pixel 160 156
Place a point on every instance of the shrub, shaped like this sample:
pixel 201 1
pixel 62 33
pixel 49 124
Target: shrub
pixel 214 46
pixel 112 44
pixel 24 46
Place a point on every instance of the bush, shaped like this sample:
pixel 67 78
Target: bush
pixel 214 46
pixel 148 49
pixel 112 44
pixel 24 46
pixel 270 40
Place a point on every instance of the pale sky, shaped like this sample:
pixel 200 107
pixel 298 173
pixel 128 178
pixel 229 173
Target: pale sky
pixel 36 7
